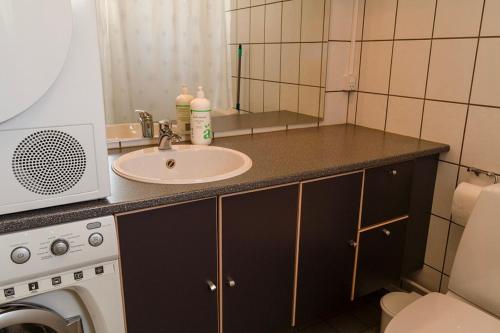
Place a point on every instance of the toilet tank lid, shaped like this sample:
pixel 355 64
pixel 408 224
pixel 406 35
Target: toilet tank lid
pixel 436 312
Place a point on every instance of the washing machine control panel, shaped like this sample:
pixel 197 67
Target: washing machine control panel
pixel 42 251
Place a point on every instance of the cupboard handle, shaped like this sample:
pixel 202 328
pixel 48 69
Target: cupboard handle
pixel 230 282
pixel 352 243
pixel 393 172
pixel 211 286
pixel 386 232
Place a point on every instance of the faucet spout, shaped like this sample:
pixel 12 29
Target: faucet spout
pixel 167 136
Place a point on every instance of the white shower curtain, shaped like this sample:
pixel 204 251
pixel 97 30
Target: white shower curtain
pixel 151 47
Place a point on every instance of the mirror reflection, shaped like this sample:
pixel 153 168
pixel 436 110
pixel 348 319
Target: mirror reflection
pixel 250 58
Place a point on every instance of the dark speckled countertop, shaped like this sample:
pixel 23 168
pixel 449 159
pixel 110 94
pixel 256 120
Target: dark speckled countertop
pixel 278 158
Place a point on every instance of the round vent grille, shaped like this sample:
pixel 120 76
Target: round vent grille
pixel 49 162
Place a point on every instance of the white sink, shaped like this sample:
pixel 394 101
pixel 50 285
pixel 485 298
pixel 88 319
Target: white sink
pixel 183 164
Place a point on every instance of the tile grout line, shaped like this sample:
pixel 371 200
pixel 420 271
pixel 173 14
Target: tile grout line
pixel 428 70
pixel 390 66
pixel 360 61
pixel 471 87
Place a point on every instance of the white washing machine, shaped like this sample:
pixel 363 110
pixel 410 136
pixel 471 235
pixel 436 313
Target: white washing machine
pixel 61 279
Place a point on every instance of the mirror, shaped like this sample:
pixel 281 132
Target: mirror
pixel 255 60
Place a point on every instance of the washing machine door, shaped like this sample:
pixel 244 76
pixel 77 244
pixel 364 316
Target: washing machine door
pixel 31 318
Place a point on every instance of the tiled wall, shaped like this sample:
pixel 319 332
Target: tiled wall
pixel 431 69
pixel 284 53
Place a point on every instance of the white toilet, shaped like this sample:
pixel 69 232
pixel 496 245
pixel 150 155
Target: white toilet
pixel 472 303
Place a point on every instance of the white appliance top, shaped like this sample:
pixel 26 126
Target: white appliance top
pixel 37 253
pixel 438 313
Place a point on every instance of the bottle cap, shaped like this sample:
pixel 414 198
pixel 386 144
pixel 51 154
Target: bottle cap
pixel 200 93
pixel 184 89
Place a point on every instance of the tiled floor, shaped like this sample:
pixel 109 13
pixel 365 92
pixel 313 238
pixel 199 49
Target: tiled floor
pixel 363 317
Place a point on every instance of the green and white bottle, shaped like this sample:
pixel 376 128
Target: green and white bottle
pixel 183 111
pixel 201 122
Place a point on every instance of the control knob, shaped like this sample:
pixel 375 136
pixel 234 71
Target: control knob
pixel 20 255
pixel 59 247
pixel 96 239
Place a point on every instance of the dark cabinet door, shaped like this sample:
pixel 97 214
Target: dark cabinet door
pixel 167 257
pixel 380 257
pixel 387 193
pixel 258 254
pixel 329 221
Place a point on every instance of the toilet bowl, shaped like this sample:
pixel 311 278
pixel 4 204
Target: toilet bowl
pixel 473 301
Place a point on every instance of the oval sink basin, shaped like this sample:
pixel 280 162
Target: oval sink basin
pixel 183 164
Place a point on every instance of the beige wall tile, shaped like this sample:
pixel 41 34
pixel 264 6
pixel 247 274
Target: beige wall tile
pixel 257 61
pixel 445 123
pixel 244 95
pixel 409 68
pixel 436 242
pixel 272 69
pixel 428 278
pixel 351 107
pixel 341 20
pixel 289 97
pixel 257 17
pixel 482 139
pixel 243 3
pixel 243 26
pixel 458 18
pixel 335 108
pixel 491 23
pixel 309 100
pixel 233 26
pixel 271 96
pixel 290 55
pixel 454 238
pixel 415 18
pixel 445 187
pixel 404 116
pixel 486 86
pixel 338 60
pixel 292 13
pixel 256 96
pixel 310 63
pixel 273 23
pixel 451 69
pixel 313 12
pixel 379 19
pixel 245 62
pixel 233 4
pixel 371 110
pixel 375 67
pixel 257 2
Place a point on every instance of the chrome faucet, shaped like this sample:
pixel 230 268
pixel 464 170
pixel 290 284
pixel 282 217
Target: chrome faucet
pixel 167 135
pixel 146 120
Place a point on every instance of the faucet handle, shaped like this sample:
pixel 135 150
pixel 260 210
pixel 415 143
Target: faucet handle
pixel 165 125
pixel 144 114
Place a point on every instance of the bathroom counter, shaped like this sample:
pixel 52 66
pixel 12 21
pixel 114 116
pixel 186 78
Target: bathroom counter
pixel 278 158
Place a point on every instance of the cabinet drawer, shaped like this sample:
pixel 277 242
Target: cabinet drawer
pixel 387 193
pixel 380 255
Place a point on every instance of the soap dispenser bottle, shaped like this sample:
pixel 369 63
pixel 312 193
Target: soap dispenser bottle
pixel 183 114
pixel 201 124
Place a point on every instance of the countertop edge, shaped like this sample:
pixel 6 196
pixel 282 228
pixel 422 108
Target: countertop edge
pixel 83 213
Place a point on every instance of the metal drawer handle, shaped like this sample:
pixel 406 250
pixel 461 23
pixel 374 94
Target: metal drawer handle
pixel 393 172
pixel 386 232
pixel 352 243
pixel 230 282
pixel 211 286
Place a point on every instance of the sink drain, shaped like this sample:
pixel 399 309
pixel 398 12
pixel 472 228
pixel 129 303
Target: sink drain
pixel 171 164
